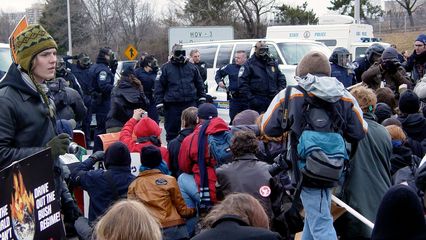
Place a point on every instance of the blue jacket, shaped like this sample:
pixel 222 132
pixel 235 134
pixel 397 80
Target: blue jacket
pixel 363 65
pixel 230 70
pixel 102 83
pixel 178 83
pixel 261 78
pixel 147 79
pixel 97 185
pixel 342 74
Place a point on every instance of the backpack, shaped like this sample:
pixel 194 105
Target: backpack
pixel 321 147
pixel 220 147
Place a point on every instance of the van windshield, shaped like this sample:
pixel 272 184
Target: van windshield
pixel 5 59
pixel 293 52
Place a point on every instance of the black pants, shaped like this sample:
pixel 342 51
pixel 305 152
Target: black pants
pixel 172 113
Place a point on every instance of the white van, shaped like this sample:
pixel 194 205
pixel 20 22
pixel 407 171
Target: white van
pixel 217 54
pixel 350 35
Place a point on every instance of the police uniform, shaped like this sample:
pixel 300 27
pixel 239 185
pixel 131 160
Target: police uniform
pixel 202 68
pixel 237 101
pixel 345 75
pixel 260 81
pixel 177 87
pixel 103 81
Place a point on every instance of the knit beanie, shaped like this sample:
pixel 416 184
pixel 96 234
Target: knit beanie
pixel 382 112
pixel 315 63
pixel 246 117
pixel 147 127
pixel 117 155
pixel 409 102
pixel 390 53
pixel 207 111
pixel 151 156
pixel 400 216
pixel 421 38
pixel 30 42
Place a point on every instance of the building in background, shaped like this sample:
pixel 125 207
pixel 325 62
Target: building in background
pixel 34 13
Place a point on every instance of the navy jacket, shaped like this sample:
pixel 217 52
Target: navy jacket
pixel 174 148
pixel 178 83
pixel 363 65
pixel 230 70
pixel 97 185
pixel 261 78
pixel 344 75
pixel 147 79
pixel 102 83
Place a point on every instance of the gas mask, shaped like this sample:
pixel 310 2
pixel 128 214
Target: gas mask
pixel 179 56
pixel 154 65
pixel 60 66
pixel 84 61
pixel 262 51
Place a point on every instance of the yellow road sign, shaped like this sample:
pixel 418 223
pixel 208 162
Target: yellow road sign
pixel 130 52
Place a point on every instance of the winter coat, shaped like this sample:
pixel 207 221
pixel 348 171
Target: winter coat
pixel 368 179
pixel 414 125
pixel 178 83
pixel 147 79
pixel 174 147
pixel 160 194
pixel 188 155
pixel 102 82
pixel 124 99
pixel 375 75
pixel 363 65
pixel 416 64
pixel 98 185
pixel 231 227
pixel 142 130
pixel 344 75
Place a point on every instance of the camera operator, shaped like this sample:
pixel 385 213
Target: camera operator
pixel 389 70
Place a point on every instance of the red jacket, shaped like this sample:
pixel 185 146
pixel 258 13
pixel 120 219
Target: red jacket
pixel 144 128
pixel 188 155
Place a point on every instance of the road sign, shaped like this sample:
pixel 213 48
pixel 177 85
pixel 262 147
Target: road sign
pixel 130 52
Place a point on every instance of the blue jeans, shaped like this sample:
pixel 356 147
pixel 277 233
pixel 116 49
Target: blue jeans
pixel 318 219
pixel 189 191
pixel 175 233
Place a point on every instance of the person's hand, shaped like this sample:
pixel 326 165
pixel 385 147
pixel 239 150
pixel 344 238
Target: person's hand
pixel 160 109
pixel 59 145
pixel 221 85
pixel 137 113
pixel 98 156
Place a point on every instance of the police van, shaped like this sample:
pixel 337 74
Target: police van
pixel 217 54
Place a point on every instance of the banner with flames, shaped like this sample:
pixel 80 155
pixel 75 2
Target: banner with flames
pixel 29 206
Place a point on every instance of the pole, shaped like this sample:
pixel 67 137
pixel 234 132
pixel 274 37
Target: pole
pixel 69 29
pixel 352 211
pixel 405 23
pixel 357 13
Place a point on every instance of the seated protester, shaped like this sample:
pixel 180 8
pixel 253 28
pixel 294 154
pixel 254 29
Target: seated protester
pixel 67 126
pixel 400 216
pixel 115 223
pixel 382 112
pixel 68 102
pixel 386 95
pixel 388 70
pixel 127 96
pixel 147 133
pixel 245 121
pixel 103 186
pixel 240 216
pixel 391 121
pixel 160 193
pixel 189 121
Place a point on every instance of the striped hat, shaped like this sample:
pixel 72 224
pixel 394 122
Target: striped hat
pixel 30 42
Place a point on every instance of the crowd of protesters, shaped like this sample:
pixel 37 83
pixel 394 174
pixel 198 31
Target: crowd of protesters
pixel 257 188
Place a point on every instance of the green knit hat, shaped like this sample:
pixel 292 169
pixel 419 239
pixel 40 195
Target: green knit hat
pixel 30 42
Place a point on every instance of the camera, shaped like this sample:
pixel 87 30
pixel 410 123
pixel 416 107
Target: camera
pixel 279 165
pixel 72 148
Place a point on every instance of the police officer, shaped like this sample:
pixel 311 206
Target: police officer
pixel 261 78
pixel 147 73
pixel 102 82
pixel 81 72
pixel 195 58
pixel 341 66
pixel 63 72
pixel 178 86
pixel 237 101
pixel 372 55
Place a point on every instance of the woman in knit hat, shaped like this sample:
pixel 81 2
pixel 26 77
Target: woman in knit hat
pixel 27 119
pixel 160 193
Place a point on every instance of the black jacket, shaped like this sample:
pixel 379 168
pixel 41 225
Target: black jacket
pixel 25 124
pixel 178 83
pixel 414 125
pixel 174 148
pixel 231 227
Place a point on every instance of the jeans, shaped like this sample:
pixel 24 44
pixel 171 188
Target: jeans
pixel 318 219
pixel 175 233
pixel 189 191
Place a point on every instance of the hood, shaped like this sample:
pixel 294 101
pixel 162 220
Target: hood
pixel 125 83
pixel 416 120
pixel 216 125
pixel 326 88
pixel 13 78
pixel 147 127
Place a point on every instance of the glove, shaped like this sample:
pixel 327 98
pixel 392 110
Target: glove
pixel 59 145
pixel 201 101
pixel 71 212
pixel 160 109
pixel 98 156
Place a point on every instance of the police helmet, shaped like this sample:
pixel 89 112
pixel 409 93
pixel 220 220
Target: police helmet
pixel 150 61
pixel 375 49
pixel 179 54
pixel 341 57
pixel 60 64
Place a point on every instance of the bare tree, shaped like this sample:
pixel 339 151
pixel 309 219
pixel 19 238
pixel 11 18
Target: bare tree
pixel 410 6
pixel 251 12
pixel 7 24
pixel 103 19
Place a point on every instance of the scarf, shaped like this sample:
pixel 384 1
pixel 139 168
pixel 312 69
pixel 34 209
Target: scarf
pixel 162 167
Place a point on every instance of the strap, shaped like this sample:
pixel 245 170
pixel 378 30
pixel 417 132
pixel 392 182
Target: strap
pixel 112 184
pixel 204 182
pixel 285 109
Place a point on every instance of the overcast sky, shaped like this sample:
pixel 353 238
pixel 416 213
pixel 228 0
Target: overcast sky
pixel 319 6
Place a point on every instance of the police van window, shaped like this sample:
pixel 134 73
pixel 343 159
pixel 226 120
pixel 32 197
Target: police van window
pixel 274 53
pixel 329 43
pixel 244 47
pixel 224 55
pixel 207 54
pixel 360 52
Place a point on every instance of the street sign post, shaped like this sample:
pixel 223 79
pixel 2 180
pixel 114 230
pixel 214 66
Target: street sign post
pixel 130 52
